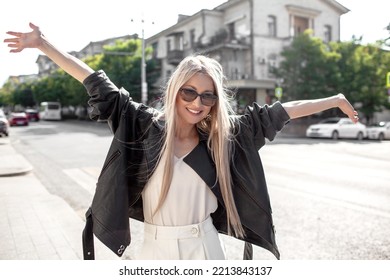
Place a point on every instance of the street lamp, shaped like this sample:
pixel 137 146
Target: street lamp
pixel 144 84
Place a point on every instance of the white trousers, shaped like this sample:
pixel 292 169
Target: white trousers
pixel 191 242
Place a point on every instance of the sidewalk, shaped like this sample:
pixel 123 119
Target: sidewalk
pixel 34 224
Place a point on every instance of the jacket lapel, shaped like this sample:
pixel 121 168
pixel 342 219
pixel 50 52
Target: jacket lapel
pixel 200 161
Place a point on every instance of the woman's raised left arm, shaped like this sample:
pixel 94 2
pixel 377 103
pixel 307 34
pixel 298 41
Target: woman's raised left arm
pixel 301 108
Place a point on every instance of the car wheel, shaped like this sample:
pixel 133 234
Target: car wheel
pixel 335 135
pixel 360 136
pixel 381 137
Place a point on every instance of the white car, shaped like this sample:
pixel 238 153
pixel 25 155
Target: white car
pixel 336 128
pixel 380 131
pixel 4 124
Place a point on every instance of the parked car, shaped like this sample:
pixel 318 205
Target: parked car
pixel 336 128
pixel 4 124
pixel 32 115
pixel 379 131
pixel 18 119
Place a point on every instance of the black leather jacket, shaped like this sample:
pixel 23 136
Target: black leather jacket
pixel 132 156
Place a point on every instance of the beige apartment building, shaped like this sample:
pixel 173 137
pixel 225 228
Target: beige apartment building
pixel 246 37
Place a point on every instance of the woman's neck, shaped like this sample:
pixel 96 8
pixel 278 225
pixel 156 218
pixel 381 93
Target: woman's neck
pixel 185 141
pixel 186 132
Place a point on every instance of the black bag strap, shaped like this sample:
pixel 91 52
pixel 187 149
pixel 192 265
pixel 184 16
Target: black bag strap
pixel 88 245
pixel 248 251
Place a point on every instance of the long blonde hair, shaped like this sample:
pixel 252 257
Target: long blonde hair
pixel 218 126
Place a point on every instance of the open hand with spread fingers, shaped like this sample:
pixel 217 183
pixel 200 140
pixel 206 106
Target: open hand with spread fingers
pixel 21 41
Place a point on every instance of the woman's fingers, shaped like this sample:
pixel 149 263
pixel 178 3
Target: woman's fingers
pixel 11 40
pixel 14 44
pixel 15 50
pixel 16 34
pixel 33 26
pixel 353 115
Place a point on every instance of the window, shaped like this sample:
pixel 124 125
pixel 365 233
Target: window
pixel 271 26
pixel 301 18
pixel 300 25
pixel 272 64
pixel 327 33
pixel 192 37
pixel 155 48
pixel 232 31
pixel 168 45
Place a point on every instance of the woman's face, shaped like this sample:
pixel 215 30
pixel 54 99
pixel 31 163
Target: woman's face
pixel 192 112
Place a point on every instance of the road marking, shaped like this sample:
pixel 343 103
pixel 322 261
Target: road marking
pixel 82 178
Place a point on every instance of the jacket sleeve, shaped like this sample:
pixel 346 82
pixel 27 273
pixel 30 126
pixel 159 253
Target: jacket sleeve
pixel 264 122
pixel 106 100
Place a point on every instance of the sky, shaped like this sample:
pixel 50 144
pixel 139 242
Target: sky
pixel 72 24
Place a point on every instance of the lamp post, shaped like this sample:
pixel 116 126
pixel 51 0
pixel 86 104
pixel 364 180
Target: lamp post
pixel 144 84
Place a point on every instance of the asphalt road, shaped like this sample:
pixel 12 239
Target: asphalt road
pixel 330 199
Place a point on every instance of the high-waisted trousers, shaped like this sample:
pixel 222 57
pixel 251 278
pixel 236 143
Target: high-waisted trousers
pixel 190 242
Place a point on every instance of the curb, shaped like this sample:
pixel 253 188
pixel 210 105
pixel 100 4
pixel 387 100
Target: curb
pixel 12 163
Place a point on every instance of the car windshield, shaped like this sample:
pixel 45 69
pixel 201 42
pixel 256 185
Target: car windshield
pixel 53 107
pixel 330 121
pixel 381 124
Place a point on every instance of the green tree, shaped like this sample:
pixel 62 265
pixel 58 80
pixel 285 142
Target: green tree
pixel 313 69
pixel 62 87
pixel 308 69
pixel 15 93
pixel 363 70
pixel 6 97
pixel 74 92
pixel 50 88
pixel 122 63
pixel 24 97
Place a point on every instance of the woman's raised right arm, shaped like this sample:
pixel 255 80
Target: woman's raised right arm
pixel 35 39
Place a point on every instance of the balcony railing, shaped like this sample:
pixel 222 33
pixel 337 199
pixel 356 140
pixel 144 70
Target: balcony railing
pixel 175 56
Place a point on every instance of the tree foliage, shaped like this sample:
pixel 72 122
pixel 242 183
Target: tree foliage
pixel 312 69
pixel 308 69
pixel 121 62
pixel 363 70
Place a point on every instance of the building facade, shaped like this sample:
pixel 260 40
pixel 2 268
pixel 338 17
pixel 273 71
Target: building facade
pixel 246 37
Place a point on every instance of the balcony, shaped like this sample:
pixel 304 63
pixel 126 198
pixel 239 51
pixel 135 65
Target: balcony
pixel 220 43
pixel 175 56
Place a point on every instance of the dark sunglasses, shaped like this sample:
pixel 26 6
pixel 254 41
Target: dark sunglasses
pixel 207 98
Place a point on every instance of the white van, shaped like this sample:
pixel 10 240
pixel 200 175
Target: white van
pixel 50 111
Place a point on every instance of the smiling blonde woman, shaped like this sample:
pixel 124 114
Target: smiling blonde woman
pixel 189 171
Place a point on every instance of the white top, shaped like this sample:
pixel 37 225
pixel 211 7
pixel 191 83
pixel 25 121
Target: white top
pixel 189 200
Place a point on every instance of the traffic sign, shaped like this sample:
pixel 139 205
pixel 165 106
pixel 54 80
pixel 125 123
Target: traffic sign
pixel 388 80
pixel 278 92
